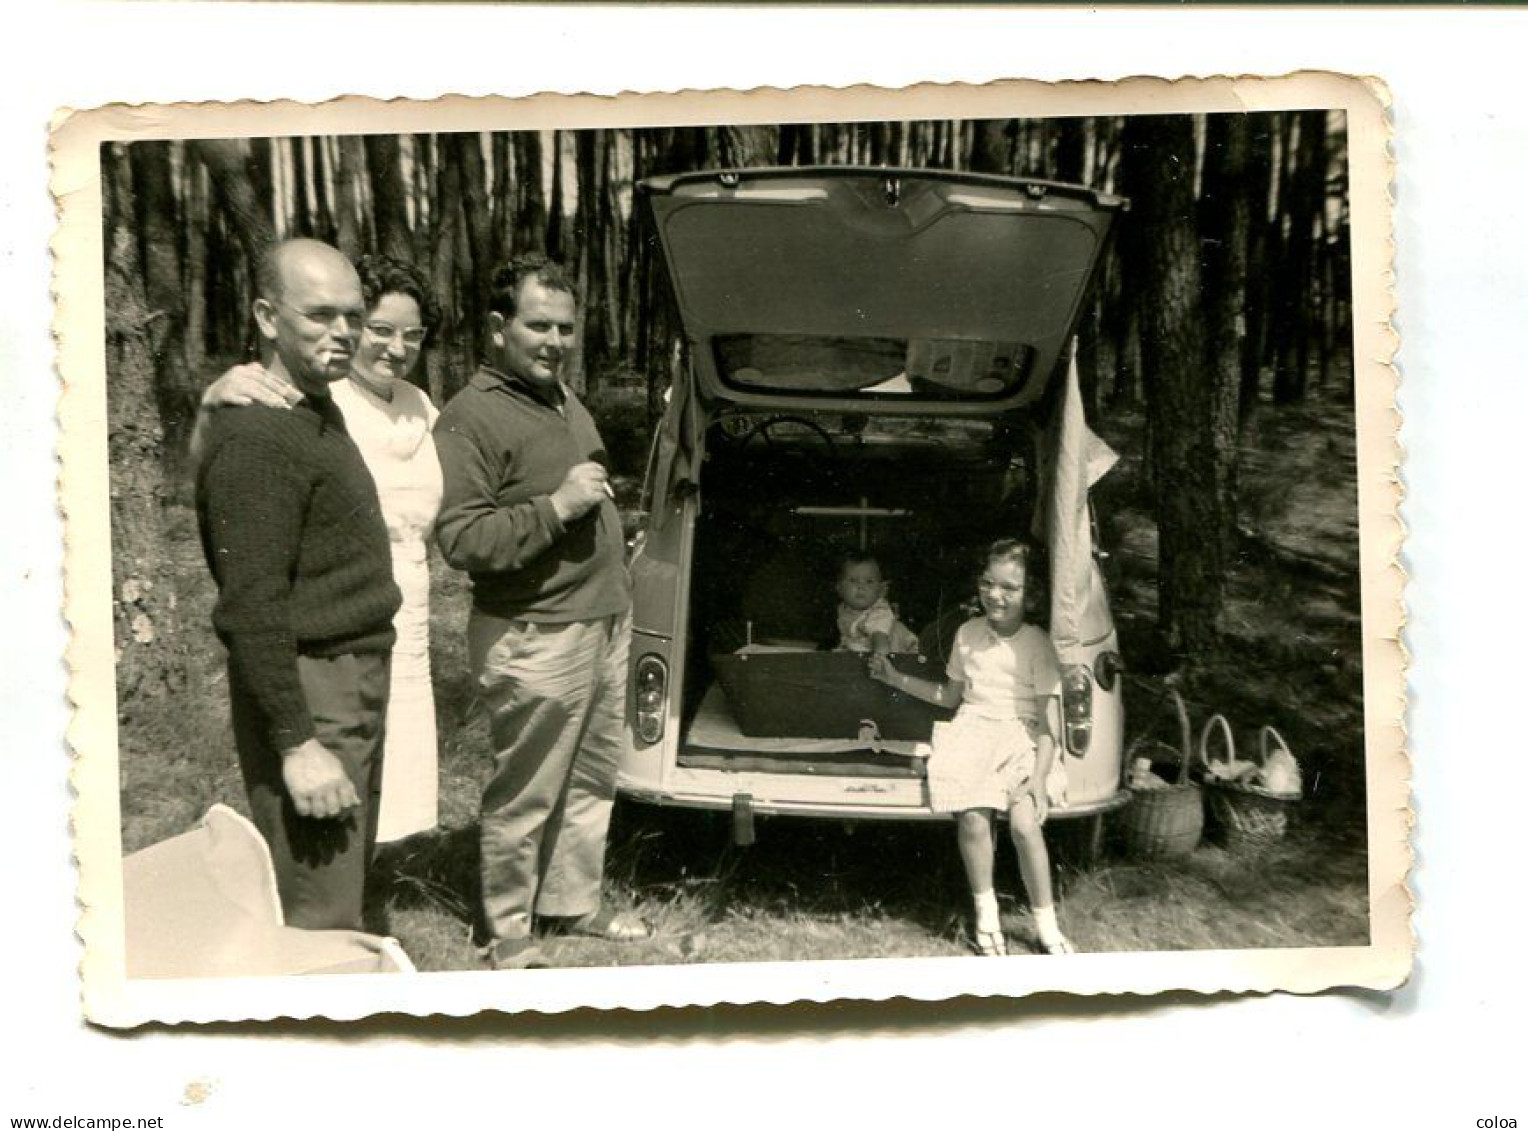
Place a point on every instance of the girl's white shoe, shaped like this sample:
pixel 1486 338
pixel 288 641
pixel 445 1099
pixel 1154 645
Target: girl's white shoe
pixel 991 944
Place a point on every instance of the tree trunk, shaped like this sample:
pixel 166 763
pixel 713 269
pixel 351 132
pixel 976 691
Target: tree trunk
pixel 302 212
pixel 796 146
pixel 1261 239
pixel 633 265
pixel 1071 159
pixel 347 200
pixel 879 147
pixel 1071 150
pixel 612 240
pixel 1162 247
pixel 585 252
pixel 479 240
pixel 940 145
pixel 1226 220
pixel 555 243
pixel 463 359
pixel 234 172
pixel 150 660
pixel 195 195
pixel 502 209
pixel 424 191
pixel 530 201
pixel 227 312
pixel 991 147
pixel 1299 199
pixel 746 147
pixel 235 168
pixel 384 169
pixel 159 231
pixel 443 247
pixel 260 166
pixel 677 150
pixel 324 191
pixel 1326 278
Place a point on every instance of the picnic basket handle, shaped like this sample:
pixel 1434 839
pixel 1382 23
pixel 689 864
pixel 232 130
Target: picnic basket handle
pixel 1204 740
pixel 1262 736
pixel 1186 734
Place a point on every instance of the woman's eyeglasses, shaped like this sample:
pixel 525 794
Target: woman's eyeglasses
pixel 413 337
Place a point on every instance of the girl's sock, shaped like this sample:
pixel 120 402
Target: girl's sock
pixel 1046 926
pixel 986 911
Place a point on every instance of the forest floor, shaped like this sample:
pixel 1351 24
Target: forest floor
pixel 823 890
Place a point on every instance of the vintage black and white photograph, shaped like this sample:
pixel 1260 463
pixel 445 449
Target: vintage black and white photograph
pixel 550 540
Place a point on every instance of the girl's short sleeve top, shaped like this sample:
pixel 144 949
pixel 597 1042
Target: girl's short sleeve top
pixel 1006 677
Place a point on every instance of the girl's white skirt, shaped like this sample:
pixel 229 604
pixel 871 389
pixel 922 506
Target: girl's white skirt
pixel 981 763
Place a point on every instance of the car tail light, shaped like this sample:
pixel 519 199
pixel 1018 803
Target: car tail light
pixel 651 686
pixel 1077 707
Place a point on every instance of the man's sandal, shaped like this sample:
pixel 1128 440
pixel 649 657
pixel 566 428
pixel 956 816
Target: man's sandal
pixel 1061 945
pixel 991 944
pixel 612 926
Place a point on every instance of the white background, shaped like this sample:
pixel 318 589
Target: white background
pixel 1435 1055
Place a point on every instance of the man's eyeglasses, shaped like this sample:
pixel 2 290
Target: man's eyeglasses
pixel 327 316
pixel 413 337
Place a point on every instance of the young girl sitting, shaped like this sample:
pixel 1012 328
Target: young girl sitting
pixel 998 751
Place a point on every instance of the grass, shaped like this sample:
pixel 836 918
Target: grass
pixel 824 890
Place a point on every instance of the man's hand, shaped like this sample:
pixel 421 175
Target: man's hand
pixel 248 384
pixel 317 781
pixel 582 489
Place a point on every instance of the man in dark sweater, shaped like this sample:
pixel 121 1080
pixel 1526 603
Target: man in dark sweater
pixel 529 514
pixel 293 533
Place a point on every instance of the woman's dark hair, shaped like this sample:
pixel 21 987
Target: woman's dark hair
pixel 382 275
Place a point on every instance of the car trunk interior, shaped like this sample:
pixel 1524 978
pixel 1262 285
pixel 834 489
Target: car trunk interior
pixel 783 503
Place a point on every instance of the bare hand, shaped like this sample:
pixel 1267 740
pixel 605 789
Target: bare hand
pixel 317 781
pixel 880 668
pixel 584 487
pixel 249 384
pixel 1041 800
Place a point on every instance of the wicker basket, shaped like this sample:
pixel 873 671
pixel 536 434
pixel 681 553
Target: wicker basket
pixel 1166 823
pixel 1248 818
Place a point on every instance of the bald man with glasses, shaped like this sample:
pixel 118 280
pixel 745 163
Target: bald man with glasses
pixel 293 533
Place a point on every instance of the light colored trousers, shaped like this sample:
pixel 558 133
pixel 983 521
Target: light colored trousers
pixel 556 701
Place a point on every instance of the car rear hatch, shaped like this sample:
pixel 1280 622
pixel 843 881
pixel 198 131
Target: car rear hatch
pixel 863 289
pixel 884 293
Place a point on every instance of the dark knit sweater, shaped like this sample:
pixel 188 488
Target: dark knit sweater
pixel 504 450
pixel 293 533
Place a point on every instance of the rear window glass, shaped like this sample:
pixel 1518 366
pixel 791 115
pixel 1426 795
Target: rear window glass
pixel 912 368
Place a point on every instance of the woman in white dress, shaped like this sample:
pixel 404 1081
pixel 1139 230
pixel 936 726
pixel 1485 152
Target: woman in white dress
pixel 390 420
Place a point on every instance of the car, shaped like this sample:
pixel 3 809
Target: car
pixel 871 359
